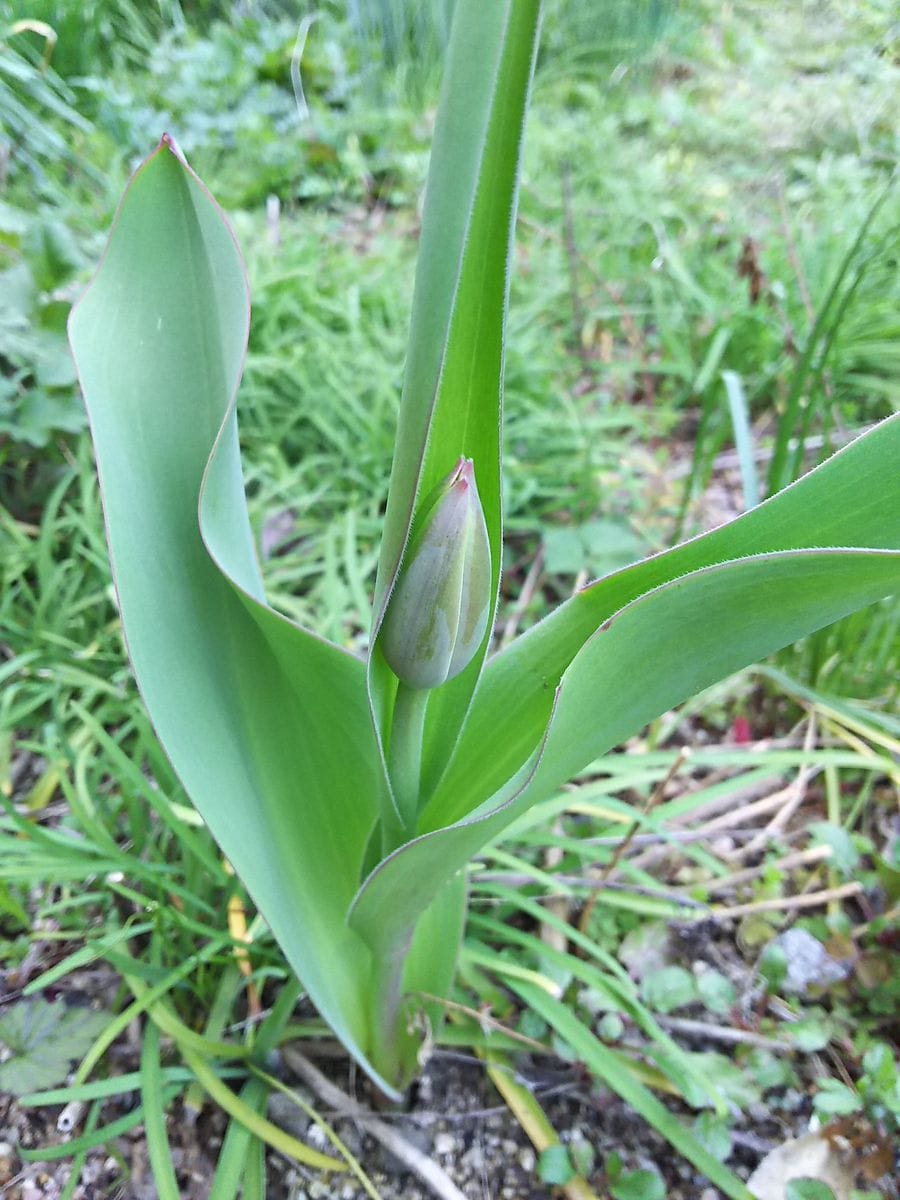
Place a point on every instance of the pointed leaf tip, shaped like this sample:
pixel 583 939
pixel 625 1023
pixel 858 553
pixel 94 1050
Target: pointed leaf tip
pixel 168 142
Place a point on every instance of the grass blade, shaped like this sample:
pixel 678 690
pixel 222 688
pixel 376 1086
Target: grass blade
pixel 608 1068
pixel 779 468
pixel 743 436
pixel 258 1125
pixel 240 1147
pixel 152 1091
pixel 97 1137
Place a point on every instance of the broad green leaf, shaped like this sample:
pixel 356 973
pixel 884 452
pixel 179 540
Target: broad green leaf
pixel 651 655
pixel 270 727
pixel 266 725
pixel 717 993
pixel 680 638
pixel 452 389
pixel 835 1099
pixel 469 405
pixel 452 378
pixel 840 503
pixel 430 965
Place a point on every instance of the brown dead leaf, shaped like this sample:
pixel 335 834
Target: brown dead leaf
pixel 809 1157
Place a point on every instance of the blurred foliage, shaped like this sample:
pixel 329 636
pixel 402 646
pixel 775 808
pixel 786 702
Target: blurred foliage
pixel 38 112
pixel 39 257
pixel 92 35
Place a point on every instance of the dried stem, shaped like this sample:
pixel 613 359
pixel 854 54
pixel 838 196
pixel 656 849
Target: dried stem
pixel 721 1033
pixel 655 798
pixel 787 903
pixel 433 1176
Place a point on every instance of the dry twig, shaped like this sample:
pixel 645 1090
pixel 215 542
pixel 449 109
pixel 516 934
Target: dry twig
pixel 657 795
pixel 800 858
pixel 787 903
pixel 721 1033
pixel 794 796
pixel 431 1174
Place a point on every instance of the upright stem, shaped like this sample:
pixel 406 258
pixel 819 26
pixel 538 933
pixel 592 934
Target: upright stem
pixel 405 756
pixel 387 999
pixel 405 767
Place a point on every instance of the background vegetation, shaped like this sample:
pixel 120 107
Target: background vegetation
pixel 705 303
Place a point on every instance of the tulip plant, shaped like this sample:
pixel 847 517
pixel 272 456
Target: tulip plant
pixel 349 793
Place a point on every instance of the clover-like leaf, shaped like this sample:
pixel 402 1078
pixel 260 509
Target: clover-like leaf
pixel 42 1039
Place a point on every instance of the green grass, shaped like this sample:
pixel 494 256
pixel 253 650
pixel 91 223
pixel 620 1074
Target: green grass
pixel 639 190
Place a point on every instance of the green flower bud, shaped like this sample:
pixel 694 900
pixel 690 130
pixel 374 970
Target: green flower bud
pixel 438 613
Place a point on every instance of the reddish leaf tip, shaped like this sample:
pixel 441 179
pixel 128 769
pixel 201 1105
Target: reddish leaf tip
pixel 167 142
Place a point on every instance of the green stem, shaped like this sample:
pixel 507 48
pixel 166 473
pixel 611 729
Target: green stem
pixel 405 757
pixel 387 993
pixel 390 1042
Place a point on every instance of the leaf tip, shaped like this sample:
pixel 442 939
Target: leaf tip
pixel 167 142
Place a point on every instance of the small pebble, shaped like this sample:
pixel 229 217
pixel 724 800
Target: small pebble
pixel 7 1162
pixel 808 963
pixel 792 1100
pixel 444 1144
pixel 317 1137
pixel 287 1115
pixel 474 1158
pixel 352 1139
pixel 70 1117
pixel 411 1133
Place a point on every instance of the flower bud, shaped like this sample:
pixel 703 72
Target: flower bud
pixel 438 613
